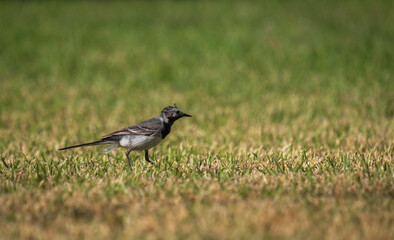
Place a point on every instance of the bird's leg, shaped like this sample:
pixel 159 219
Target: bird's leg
pixel 128 159
pixel 147 157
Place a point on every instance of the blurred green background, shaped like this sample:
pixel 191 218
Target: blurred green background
pixel 291 137
pixel 275 61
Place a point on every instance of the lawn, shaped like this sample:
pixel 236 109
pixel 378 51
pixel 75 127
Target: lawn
pixel 292 134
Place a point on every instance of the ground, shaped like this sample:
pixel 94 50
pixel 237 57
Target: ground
pixel 292 135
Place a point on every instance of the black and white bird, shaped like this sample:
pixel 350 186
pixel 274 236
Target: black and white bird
pixel 142 136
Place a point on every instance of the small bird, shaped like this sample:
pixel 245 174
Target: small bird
pixel 140 137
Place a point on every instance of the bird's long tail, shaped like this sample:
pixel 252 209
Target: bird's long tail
pixel 100 142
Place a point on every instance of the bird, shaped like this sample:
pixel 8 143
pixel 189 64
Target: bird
pixel 140 137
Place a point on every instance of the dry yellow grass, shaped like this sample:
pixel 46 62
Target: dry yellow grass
pixel 292 135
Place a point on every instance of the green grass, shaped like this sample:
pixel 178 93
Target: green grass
pixel 292 135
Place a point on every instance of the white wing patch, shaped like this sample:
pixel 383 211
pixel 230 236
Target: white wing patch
pixel 141 130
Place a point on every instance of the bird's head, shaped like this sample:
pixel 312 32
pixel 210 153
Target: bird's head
pixel 172 113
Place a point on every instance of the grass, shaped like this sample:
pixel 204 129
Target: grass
pixel 292 135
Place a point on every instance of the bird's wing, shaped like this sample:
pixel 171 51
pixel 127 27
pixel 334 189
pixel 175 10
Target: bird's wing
pixel 145 128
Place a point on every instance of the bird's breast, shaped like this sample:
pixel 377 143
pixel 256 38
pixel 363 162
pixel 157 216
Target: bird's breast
pixel 139 142
pixel 166 130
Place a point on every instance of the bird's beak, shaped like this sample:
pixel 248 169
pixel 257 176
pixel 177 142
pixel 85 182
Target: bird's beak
pixel 186 115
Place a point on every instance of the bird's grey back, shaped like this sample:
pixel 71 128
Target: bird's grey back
pixel 149 127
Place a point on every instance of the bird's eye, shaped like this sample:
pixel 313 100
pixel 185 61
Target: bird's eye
pixel 177 112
